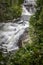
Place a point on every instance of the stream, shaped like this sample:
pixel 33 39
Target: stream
pixel 10 33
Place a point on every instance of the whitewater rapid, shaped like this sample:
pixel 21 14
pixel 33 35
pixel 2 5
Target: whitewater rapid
pixel 10 33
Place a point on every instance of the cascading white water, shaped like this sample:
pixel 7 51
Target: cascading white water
pixel 11 32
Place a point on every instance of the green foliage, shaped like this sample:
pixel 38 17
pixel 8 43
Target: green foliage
pixel 3 59
pixel 30 55
pixel 36 22
pixel 39 6
pixel 16 11
pixel 20 2
pixel 9 9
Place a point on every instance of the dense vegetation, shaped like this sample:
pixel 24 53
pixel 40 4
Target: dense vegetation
pixel 32 54
pixel 10 9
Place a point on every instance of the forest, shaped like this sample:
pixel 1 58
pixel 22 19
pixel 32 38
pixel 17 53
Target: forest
pixel 10 9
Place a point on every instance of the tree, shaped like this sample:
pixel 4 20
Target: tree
pixel 9 9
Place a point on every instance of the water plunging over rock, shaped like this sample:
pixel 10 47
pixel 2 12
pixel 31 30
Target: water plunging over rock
pixel 11 33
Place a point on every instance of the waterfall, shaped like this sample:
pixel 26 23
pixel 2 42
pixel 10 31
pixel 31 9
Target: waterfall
pixel 10 33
